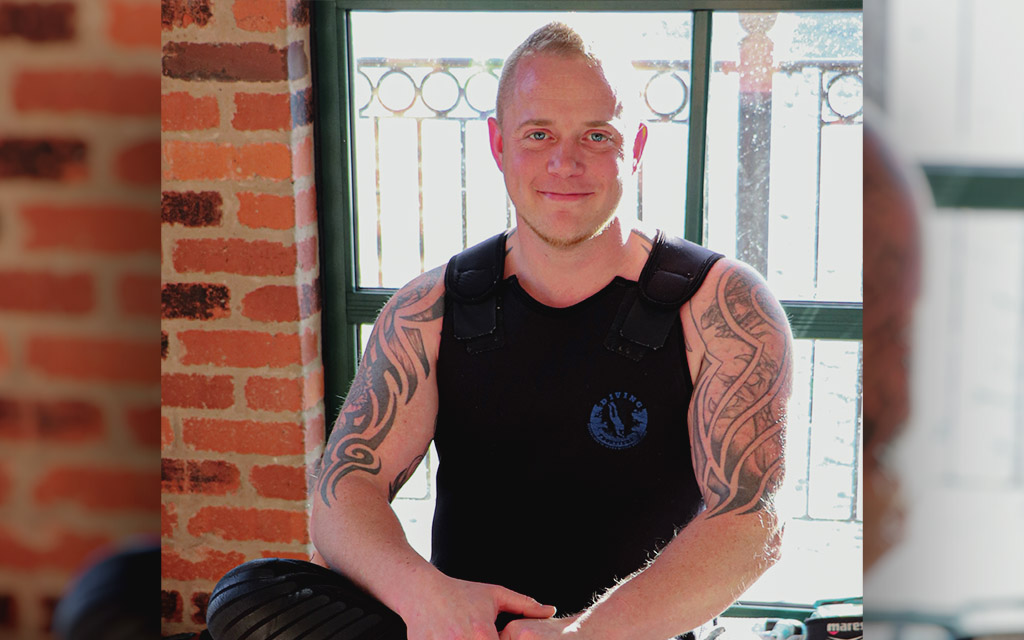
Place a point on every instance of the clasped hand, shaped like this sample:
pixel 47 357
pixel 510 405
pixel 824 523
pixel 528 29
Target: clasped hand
pixel 462 610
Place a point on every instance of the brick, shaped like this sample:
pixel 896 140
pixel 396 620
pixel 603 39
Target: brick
pixel 302 107
pixel 112 359
pixel 181 111
pixel 134 24
pixel 208 564
pixel 168 519
pixel 66 421
pixel 307 251
pixel 136 295
pixel 266 211
pixel 200 600
pixel 268 160
pixel 37 22
pixel 298 12
pixel 145 425
pixel 46 292
pixel 44 159
pixel 99 489
pixel 294 555
pixel 48 549
pixel 97 91
pixel 273 303
pixel 231 523
pixel 298 64
pixel 243 436
pixel 260 15
pixel 191 208
pixel 210 477
pixel 104 228
pixel 218 161
pixel 234 255
pixel 195 301
pixel 302 158
pixel 5 483
pixel 313 389
pixel 197 391
pixel 305 207
pixel 183 13
pixel 310 301
pixel 226 62
pixel 139 163
pixel 8 612
pixel 316 433
pixel 170 606
pixel 310 346
pixel 248 349
pixel 165 344
pixel 279 481
pixel 166 432
pixel 274 394
pixel 261 111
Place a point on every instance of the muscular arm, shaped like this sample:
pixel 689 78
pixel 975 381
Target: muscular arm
pixel 380 437
pixel 740 343
pixel 381 434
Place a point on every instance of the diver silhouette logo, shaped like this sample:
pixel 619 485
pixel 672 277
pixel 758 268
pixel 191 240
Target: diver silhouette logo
pixel 618 421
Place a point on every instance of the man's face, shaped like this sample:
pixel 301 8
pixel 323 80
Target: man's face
pixel 562 149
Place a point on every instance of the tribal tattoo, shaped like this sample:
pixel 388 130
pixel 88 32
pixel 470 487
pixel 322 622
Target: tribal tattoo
pixel 737 414
pixel 393 365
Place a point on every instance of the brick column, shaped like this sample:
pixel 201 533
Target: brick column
pixel 79 273
pixel 242 375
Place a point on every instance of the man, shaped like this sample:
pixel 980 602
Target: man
pixel 607 447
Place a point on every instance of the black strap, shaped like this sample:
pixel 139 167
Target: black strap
pixel 471 281
pixel 674 271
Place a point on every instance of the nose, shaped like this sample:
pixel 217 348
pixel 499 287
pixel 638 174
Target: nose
pixel 565 160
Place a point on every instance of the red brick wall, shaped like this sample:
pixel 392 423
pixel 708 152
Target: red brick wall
pixel 242 375
pixel 79 274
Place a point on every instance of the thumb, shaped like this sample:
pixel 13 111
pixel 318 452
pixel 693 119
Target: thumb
pixel 512 602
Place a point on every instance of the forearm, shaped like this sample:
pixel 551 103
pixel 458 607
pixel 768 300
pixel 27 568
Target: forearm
pixel 695 577
pixel 360 536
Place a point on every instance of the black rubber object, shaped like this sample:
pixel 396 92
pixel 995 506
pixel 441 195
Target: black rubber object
pixel 284 599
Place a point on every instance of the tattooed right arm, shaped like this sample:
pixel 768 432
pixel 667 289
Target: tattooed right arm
pixel 393 386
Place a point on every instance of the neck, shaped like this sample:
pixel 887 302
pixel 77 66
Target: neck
pixel 563 276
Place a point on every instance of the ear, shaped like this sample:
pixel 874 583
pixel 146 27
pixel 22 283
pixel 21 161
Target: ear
pixel 638 146
pixel 494 131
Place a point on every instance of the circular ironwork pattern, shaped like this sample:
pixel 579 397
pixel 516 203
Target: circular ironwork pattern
pixel 661 90
pixel 844 95
pixel 390 90
pixel 478 94
pixel 436 91
pixel 363 91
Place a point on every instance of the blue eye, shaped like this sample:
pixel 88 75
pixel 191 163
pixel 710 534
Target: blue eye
pixel 537 135
pixel 597 136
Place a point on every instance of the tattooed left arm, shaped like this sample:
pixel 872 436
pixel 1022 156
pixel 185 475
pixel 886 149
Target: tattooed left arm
pixel 740 349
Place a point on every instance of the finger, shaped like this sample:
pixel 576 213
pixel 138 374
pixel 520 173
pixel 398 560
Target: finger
pixel 508 600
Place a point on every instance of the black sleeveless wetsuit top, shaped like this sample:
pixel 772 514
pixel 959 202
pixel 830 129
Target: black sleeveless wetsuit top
pixel 564 465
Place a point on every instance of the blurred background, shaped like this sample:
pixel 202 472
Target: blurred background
pixel 944 74
pixel 79 296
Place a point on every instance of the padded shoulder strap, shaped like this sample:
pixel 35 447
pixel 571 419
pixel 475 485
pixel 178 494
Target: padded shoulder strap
pixel 470 281
pixel 674 271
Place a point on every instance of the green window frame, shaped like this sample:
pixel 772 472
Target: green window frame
pixel 346 306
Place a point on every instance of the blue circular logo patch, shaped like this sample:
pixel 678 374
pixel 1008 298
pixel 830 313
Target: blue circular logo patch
pixel 618 421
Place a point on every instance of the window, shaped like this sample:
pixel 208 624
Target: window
pixel 756 113
pixel 961 458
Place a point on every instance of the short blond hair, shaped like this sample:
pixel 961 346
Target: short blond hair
pixel 556 38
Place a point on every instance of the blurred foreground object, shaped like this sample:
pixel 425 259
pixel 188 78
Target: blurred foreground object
pixel 114 599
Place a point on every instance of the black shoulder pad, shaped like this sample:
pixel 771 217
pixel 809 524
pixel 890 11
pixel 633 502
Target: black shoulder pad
pixel 470 282
pixel 675 271
pixel 472 274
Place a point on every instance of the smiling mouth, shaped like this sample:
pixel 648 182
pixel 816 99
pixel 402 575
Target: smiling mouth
pixel 553 195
